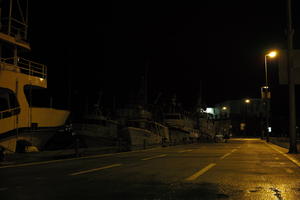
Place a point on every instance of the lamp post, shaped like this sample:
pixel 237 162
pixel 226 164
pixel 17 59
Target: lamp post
pixel 223 121
pixel 223 112
pixel 246 101
pixel 266 94
pixel 291 83
pixel 271 54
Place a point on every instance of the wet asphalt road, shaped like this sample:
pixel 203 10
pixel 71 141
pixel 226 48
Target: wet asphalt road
pixel 239 169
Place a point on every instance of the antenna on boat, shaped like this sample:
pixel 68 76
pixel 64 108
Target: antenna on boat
pixel 69 97
pixel 14 25
pixel 199 102
pixel 146 83
pixel 97 106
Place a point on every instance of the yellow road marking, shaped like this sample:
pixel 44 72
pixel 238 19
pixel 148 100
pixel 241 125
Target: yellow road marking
pixel 95 169
pixel 69 159
pixel 296 162
pixel 227 154
pixel 159 156
pixel 244 139
pixel 36 163
pixel 200 172
pixel 188 150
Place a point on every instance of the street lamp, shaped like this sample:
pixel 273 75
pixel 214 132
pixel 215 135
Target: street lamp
pixel 224 112
pixel 271 54
pixel 245 126
pixel 266 95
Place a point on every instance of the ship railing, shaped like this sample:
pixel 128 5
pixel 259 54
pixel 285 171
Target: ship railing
pixel 15 28
pixel 9 112
pixel 27 66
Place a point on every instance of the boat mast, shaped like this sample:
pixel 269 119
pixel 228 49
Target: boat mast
pixel 14 35
pixel 146 84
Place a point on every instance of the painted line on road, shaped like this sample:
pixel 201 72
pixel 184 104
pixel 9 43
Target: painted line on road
pixel 158 156
pixel 95 169
pixel 37 163
pixel 183 151
pixel 296 162
pixel 244 139
pixel 227 154
pixel 78 158
pixel 200 172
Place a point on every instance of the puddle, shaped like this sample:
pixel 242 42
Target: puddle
pixel 222 196
pixel 277 193
pixel 257 189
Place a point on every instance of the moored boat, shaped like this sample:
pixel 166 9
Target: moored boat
pixel 23 126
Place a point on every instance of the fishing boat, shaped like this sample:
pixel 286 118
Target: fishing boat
pixel 23 126
pixel 182 126
pixel 140 131
pixel 95 129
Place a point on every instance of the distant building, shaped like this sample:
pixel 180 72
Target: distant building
pixel 244 117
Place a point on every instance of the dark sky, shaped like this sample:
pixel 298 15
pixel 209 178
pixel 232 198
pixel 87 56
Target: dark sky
pixel 218 46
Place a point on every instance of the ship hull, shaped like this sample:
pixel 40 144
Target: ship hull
pixel 25 140
pixel 137 138
pixel 97 135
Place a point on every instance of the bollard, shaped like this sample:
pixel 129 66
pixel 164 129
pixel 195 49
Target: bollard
pixel 2 155
pixel 77 147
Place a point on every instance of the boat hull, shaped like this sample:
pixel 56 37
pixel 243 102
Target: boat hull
pixel 97 135
pixel 138 138
pixel 23 139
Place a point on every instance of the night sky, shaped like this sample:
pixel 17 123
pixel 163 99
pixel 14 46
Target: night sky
pixel 216 47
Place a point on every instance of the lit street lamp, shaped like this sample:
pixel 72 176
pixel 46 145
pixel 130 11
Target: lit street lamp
pixel 266 95
pixel 223 112
pixel 246 101
pixel 271 54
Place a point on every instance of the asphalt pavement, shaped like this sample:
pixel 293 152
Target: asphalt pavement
pixel 238 169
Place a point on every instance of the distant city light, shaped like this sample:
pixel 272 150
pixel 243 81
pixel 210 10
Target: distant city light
pixel 224 108
pixel 269 129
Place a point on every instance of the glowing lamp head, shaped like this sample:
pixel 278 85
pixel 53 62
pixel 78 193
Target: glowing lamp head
pixel 224 108
pixel 272 54
pixel 247 101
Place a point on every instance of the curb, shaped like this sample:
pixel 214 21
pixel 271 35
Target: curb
pixel 283 151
